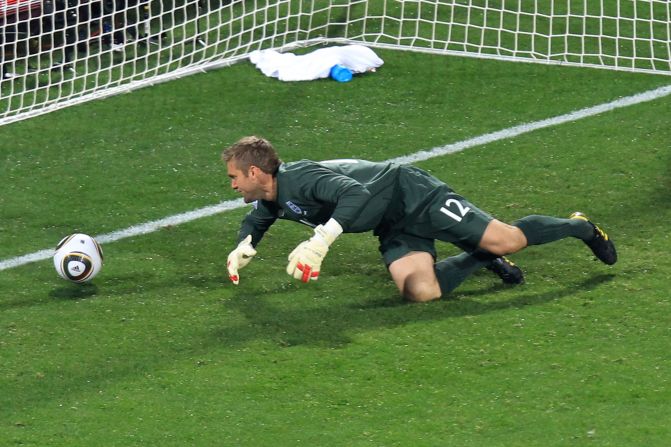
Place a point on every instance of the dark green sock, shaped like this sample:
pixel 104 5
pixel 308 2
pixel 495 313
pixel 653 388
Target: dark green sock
pixel 454 270
pixel 543 229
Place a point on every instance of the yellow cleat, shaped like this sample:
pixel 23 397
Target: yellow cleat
pixel 600 244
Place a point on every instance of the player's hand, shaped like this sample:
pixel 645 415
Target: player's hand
pixel 306 259
pixel 239 258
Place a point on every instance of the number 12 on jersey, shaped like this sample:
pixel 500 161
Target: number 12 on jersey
pixel 461 210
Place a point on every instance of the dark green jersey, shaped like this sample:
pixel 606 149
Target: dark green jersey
pixel 406 207
pixel 356 193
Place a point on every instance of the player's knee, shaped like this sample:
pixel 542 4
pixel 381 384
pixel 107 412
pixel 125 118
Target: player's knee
pixel 420 291
pixel 502 239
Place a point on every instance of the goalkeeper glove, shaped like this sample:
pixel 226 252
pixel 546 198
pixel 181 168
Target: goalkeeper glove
pixel 239 258
pixel 306 259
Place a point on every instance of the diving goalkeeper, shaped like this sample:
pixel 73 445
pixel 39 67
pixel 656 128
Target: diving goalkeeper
pixel 405 207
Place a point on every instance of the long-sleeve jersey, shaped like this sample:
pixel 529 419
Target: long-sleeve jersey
pixel 358 194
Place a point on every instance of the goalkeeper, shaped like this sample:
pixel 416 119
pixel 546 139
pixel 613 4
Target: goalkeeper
pixel 405 207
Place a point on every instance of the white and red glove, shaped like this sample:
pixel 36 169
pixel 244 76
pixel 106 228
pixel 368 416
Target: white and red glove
pixel 306 259
pixel 239 258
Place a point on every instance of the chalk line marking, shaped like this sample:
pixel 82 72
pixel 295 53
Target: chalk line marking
pixel 177 219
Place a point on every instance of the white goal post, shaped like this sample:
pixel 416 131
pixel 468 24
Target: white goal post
pixel 56 53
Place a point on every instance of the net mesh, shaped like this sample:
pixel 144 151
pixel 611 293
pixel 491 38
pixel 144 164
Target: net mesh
pixel 57 53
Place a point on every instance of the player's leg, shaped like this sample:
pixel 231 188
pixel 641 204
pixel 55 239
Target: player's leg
pixel 543 229
pixel 435 211
pixel 452 271
pixel 419 279
pixel 415 278
pixel 501 239
pixel 411 263
pixel 451 218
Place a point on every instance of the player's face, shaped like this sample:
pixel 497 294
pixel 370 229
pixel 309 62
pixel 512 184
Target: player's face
pixel 246 183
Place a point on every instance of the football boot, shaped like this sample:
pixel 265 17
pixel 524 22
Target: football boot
pixel 506 270
pixel 600 244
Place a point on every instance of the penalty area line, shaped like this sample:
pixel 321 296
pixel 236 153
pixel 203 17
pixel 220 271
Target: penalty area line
pixel 178 219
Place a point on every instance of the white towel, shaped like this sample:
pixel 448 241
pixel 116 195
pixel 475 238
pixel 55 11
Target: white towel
pixel 314 65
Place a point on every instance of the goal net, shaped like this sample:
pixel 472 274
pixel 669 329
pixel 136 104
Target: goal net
pixel 57 53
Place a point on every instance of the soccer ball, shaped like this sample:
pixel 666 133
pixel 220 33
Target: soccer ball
pixel 78 258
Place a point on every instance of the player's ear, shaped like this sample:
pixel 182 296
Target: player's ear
pixel 254 172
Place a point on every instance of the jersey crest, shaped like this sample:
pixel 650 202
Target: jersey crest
pixel 293 207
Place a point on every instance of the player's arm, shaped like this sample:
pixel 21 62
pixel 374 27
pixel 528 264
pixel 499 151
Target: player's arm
pixel 257 222
pixel 254 226
pixel 350 198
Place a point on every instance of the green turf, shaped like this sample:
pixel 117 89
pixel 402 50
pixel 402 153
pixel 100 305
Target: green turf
pixel 162 350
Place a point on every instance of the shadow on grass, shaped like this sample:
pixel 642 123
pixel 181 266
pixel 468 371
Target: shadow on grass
pixel 74 291
pixel 268 316
pixel 69 291
pixel 329 325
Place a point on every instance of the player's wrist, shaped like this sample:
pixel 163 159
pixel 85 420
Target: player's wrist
pixel 247 241
pixel 329 232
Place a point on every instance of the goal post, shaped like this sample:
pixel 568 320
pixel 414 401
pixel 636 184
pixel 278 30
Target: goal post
pixel 57 53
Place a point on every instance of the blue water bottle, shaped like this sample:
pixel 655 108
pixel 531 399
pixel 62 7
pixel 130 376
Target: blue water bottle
pixel 341 73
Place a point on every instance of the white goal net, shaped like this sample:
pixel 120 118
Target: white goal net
pixel 56 53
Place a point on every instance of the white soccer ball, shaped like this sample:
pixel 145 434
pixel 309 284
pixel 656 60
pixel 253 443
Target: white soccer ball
pixel 78 258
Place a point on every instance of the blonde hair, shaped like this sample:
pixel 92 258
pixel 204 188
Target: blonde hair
pixel 252 151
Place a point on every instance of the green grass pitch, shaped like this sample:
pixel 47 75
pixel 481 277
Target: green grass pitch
pixel 161 350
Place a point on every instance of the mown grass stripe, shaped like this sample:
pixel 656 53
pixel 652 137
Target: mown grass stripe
pixel 177 219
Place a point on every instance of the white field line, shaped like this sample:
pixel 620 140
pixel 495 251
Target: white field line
pixel 150 227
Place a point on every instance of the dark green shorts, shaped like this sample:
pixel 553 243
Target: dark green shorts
pixel 431 211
